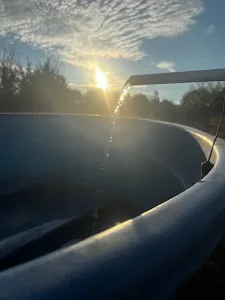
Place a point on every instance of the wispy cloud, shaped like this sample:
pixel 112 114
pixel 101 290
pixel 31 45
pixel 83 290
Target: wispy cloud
pixel 210 29
pixel 166 65
pixel 80 29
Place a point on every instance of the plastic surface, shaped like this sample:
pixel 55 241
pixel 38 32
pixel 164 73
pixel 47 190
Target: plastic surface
pixel 146 257
pixel 52 166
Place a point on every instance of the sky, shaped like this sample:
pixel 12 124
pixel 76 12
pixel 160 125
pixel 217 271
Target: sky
pixel 123 38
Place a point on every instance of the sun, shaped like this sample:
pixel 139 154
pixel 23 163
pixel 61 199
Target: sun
pixel 101 79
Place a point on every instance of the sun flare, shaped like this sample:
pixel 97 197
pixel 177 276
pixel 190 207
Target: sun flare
pixel 101 79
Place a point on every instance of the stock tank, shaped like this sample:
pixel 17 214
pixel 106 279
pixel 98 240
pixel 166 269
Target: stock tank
pixel 52 166
pixel 51 171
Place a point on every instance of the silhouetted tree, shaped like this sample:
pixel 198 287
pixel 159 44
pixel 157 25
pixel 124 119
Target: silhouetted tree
pixel 95 102
pixel 136 106
pixel 202 105
pixel 43 89
pixel 169 111
pixel 9 81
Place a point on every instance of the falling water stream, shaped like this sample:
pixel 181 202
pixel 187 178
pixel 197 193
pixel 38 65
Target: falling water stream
pixel 113 126
pixel 113 130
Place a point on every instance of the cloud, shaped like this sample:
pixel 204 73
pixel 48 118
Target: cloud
pixel 77 30
pixel 210 29
pixel 166 65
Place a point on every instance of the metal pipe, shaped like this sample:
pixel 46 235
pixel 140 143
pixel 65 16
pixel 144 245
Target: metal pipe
pixel 178 77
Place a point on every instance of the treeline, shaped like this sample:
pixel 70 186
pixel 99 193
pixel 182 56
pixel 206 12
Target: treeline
pixel 43 89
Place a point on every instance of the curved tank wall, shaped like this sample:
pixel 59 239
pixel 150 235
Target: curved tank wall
pixel 51 166
pixel 150 255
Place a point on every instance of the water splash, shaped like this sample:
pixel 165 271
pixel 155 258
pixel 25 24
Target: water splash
pixel 113 130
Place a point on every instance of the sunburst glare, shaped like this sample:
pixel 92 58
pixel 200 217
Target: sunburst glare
pixel 101 79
